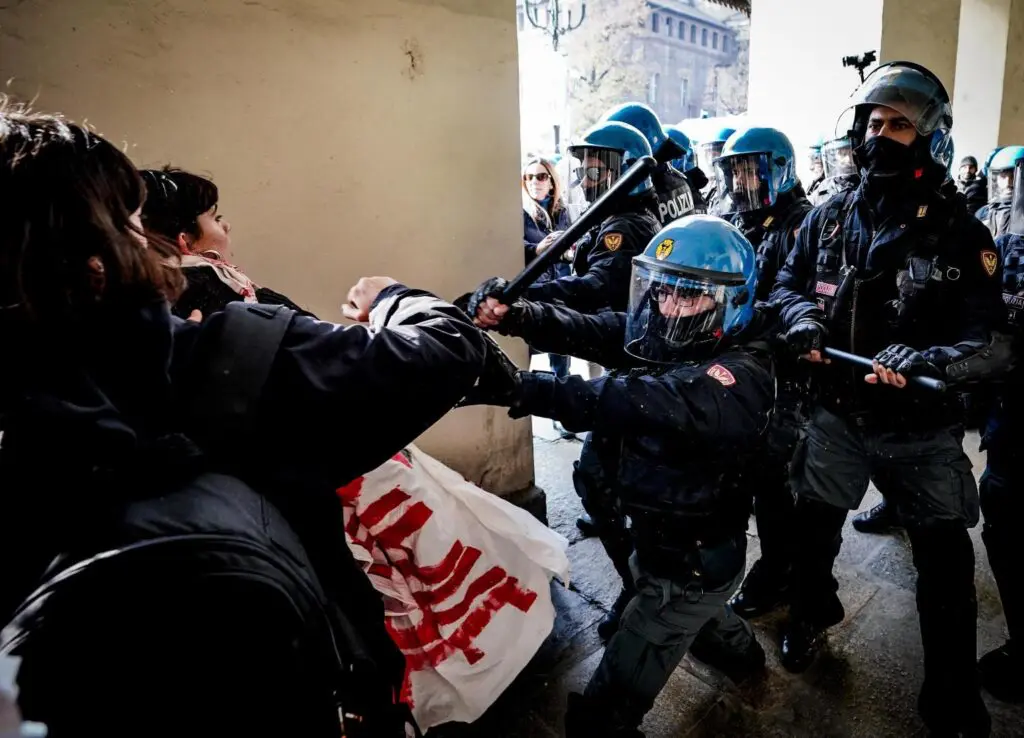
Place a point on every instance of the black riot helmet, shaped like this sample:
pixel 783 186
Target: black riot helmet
pixel 915 93
pixel 1017 205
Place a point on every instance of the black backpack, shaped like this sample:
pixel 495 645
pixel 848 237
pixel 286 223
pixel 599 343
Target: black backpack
pixel 200 613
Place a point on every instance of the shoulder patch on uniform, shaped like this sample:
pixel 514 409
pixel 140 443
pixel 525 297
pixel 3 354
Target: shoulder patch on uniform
pixel 721 375
pixel 922 211
pixel 612 241
pixel 664 249
pixel 989 261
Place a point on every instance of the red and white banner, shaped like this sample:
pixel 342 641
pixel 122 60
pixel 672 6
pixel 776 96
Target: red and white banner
pixel 465 580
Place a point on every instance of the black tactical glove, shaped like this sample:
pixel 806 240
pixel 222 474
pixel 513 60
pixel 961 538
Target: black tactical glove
pixel 806 336
pixel 908 362
pixel 492 287
pixel 499 382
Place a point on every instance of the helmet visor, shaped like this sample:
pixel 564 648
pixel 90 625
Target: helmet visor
pixel 670 313
pixel 744 183
pixel 1017 208
pixel 911 93
pixel 837 158
pixel 596 168
pixel 707 153
pixel 1000 185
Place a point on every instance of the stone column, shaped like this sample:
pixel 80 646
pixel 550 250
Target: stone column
pixel 922 32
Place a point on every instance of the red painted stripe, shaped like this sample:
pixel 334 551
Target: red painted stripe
pixel 377 510
pixel 489 580
pixel 351 491
pixel 411 521
pixel 454 583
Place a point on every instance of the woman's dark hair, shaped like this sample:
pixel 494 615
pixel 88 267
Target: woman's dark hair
pixel 66 235
pixel 175 201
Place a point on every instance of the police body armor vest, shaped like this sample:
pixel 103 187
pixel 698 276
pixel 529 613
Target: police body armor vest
pixel 867 313
pixel 675 198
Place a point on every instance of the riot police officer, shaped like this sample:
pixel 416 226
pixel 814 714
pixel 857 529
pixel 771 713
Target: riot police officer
pixel 687 164
pixel 897 271
pixel 1002 484
pixel 707 152
pixel 759 190
pixel 996 215
pixel 816 191
pixel 693 393
pixel 675 198
pixel 601 267
pixel 601 276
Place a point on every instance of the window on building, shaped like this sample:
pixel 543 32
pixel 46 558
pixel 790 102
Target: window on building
pixel 668 27
pixel 684 90
pixel 703 37
pixel 693 34
pixel 682 28
pixel 714 40
pixel 652 89
pixel 655 21
pixel 725 42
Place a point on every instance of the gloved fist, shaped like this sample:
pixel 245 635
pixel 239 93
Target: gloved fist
pixel 807 339
pixel 896 364
pixel 499 382
pixel 482 306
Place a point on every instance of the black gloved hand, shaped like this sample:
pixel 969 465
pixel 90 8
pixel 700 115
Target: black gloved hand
pixel 492 287
pixel 908 362
pixel 806 336
pixel 499 382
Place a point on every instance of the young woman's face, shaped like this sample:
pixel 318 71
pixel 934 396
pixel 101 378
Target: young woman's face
pixel 215 234
pixel 537 180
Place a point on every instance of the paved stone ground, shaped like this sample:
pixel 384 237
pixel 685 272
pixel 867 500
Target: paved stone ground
pixel 864 685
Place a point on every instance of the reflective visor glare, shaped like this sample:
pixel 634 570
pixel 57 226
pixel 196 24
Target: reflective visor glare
pixel 596 170
pixel 744 183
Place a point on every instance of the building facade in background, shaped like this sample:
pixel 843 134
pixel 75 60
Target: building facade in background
pixel 685 58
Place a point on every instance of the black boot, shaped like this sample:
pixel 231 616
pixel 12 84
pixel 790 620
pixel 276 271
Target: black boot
pixel 1002 672
pixel 764 589
pixel 586 717
pixel 801 642
pixel 739 667
pixel 880 519
pixel 586 525
pixel 607 627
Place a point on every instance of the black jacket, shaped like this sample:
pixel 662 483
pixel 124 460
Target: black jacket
pixel 97 417
pixel 772 233
pixel 975 193
pixel 947 312
pixel 534 233
pixel 207 294
pixel 675 196
pixel 603 264
pixel 666 435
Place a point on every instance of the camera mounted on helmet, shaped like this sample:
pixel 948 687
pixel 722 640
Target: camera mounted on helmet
pixel 691 289
pixel 603 154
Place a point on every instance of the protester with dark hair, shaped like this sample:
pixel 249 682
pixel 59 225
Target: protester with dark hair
pixel 182 208
pixel 170 486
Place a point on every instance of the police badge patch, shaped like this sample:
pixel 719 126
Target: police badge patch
pixel 612 241
pixel 722 375
pixel 664 249
pixel 989 260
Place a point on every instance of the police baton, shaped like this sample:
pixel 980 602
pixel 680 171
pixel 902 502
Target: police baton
pixel 592 216
pixel 927 382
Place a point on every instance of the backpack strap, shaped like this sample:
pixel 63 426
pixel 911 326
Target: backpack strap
pixel 236 369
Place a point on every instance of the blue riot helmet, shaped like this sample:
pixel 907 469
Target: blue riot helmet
pixel 915 93
pixel 642 118
pixel 604 153
pixel 692 288
pixel 1000 173
pixel 837 158
pixel 685 161
pixel 756 166
pixel 1017 206
pixel 989 158
pixel 711 149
